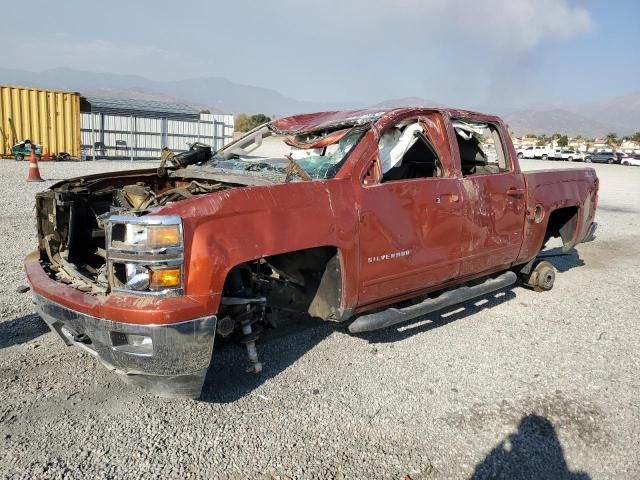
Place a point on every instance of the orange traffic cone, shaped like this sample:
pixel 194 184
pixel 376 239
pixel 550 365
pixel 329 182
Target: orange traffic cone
pixel 46 154
pixel 34 171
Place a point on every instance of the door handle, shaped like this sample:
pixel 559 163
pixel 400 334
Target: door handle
pixel 448 198
pixel 516 192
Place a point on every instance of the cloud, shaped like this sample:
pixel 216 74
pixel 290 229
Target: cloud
pixel 501 24
pixel 523 24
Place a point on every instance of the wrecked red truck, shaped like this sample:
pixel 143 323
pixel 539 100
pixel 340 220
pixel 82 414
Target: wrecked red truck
pixel 372 217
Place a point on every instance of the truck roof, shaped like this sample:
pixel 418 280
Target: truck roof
pixel 312 122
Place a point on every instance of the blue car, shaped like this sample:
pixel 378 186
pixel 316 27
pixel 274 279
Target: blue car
pixel 602 157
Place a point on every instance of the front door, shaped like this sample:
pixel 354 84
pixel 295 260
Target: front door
pixel 411 236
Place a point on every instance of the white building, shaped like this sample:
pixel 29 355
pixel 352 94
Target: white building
pixel 118 128
pixel 630 146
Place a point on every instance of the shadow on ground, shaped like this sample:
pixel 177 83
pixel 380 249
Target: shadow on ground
pixel 227 380
pixel 562 261
pixel 21 330
pixel 534 451
pixel 440 318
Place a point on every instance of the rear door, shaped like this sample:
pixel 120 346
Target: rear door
pixel 493 195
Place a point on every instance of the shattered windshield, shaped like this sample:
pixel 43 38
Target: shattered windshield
pixel 309 156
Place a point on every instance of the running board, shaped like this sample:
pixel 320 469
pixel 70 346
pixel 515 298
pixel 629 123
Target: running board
pixel 392 316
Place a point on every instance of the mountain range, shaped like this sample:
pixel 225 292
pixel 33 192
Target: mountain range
pixel 619 114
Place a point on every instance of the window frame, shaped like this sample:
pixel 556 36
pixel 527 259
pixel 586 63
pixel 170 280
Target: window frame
pixel 378 163
pixel 509 162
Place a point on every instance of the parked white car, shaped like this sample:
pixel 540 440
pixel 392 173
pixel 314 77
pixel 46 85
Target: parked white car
pixel 570 155
pixel 631 160
pixel 536 152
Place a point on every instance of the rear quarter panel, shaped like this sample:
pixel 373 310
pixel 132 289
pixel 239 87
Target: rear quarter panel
pixel 553 189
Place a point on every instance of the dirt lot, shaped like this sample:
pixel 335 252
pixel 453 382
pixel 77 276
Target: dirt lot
pixel 517 385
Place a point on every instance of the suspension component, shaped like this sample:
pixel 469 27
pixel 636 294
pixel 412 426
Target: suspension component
pixel 542 277
pixel 250 313
pixel 225 327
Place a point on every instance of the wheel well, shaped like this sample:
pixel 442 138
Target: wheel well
pixel 307 281
pixel 562 223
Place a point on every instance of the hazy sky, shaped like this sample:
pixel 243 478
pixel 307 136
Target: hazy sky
pixel 460 52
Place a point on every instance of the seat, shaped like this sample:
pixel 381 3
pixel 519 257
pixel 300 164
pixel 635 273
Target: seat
pixel 472 159
pixel 416 161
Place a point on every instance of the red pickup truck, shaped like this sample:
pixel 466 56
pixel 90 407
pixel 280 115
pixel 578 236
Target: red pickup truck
pixel 339 215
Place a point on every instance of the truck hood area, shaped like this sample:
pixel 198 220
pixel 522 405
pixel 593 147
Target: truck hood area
pixel 72 215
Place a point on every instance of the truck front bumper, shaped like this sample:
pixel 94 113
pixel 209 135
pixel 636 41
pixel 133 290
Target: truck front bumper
pixel 167 360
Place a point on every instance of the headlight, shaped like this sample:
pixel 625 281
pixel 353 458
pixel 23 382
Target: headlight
pixel 145 254
pixel 146 236
pixel 136 276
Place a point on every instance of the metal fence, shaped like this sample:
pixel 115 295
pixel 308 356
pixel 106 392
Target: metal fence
pixel 141 138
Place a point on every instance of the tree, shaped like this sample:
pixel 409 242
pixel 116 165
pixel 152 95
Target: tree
pixel 244 122
pixel 542 140
pixel 636 137
pixel 259 119
pixel 611 139
pixel 563 141
pixel 206 110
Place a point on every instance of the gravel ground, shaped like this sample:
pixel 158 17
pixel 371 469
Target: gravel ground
pixel 518 385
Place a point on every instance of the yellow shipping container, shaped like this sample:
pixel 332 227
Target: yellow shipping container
pixel 47 117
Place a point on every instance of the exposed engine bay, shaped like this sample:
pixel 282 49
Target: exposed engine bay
pixel 72 216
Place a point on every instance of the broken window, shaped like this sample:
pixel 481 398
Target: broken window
pixel 406 152
pixel 314 155
pixel 480 147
